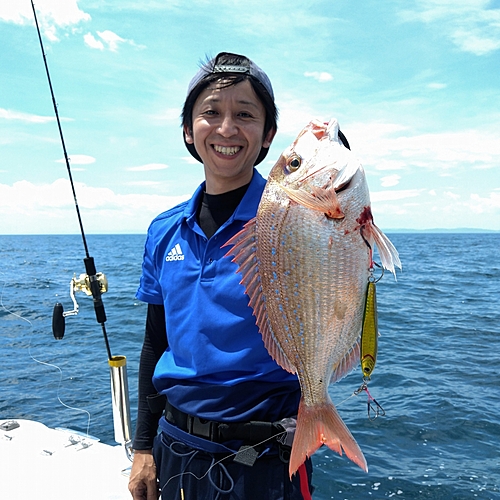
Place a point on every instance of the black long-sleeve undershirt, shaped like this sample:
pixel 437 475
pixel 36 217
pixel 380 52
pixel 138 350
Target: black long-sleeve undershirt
pixel 155 344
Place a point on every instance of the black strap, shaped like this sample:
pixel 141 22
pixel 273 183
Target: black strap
pixel 252 432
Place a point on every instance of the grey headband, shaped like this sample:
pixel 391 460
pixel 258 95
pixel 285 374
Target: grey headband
pixel 247 67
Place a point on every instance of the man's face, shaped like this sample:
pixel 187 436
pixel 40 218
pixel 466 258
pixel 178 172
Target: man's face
pixel 228 129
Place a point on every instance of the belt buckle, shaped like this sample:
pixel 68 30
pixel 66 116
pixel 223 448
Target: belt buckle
pixel 205 429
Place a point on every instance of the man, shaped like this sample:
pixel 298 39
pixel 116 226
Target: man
pixel 203 357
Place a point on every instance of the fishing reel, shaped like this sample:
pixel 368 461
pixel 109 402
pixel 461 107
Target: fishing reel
pixel 86 284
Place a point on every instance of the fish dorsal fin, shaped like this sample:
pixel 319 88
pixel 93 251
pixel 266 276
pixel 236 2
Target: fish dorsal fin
pixel 244 255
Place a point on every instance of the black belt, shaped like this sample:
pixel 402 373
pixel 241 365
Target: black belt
pixel 251 433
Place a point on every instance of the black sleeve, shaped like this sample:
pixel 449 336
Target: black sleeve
pixel 155 343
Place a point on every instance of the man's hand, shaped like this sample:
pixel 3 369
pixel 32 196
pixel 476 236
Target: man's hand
pixel 142 484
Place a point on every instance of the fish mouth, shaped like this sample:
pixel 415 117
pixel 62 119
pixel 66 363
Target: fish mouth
pixel 227 150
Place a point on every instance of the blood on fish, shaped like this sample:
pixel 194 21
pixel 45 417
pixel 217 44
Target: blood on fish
pixel 365 217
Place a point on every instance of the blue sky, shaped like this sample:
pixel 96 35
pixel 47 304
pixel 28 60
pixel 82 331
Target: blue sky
pixel 414 84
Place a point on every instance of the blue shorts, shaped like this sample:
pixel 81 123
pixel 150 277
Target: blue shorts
pixel 187 465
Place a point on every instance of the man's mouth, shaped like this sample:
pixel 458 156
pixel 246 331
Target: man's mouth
pixel 227 150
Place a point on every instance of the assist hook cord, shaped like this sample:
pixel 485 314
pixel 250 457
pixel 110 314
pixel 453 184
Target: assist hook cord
pixel 88 260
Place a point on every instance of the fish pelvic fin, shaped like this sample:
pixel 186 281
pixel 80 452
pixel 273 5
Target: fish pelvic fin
pixel 244 255
pixel 387 251
pixel 321 424
pixel 320 199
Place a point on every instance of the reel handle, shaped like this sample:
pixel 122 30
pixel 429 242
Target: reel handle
pixel 58 321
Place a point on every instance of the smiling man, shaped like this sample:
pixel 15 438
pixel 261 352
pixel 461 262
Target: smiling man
pixel 206 380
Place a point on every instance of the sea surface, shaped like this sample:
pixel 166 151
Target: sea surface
pixel 436 375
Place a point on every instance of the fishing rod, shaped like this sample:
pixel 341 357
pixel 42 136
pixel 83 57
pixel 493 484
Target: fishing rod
pixel 94 284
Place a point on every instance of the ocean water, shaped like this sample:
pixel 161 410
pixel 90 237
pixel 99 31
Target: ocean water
pixel 435 376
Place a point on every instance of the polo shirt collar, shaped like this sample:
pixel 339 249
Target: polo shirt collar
pixel 246 210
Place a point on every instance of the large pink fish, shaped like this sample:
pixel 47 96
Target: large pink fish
pixel 305 261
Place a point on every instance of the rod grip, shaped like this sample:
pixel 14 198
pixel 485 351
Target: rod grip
pixel 95 288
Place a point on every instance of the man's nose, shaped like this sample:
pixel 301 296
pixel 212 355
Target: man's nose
pixel 227 127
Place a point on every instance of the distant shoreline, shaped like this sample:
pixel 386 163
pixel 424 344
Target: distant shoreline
pixel 464 230
pixel 387 231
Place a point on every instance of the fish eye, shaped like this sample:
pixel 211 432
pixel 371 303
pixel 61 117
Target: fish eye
pixel 293 163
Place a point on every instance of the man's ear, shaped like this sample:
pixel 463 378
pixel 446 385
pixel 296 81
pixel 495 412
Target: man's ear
pixel 268 139
pixel 188 135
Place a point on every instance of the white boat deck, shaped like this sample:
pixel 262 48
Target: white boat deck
pixel 44 463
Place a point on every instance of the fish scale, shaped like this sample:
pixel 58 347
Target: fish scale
pixel 305 261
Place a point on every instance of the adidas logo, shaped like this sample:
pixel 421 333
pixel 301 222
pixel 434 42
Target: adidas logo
pixel 175 254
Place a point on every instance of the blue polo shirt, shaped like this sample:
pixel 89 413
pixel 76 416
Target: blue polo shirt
pixel 216 366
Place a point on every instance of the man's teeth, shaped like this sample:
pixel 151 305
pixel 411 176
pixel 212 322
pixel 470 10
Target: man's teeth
pixel 227 150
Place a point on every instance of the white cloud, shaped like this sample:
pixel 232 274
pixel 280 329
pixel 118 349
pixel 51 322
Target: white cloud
pixel 294 114
pixel 27 208
pixel 148 167
pixel 474 41
pixel 386 146
pixel 49 12
pixel 91 41
pixel 50 33
pixel 480 205
pixel 390 165
pixel 390 180
pixel 111 41
pixel 436 86
pixel 470 24
pixel 78 160
pixel 453 196
pixel 320 76
pixel 7 114
pixel 378 196
pixel 190 160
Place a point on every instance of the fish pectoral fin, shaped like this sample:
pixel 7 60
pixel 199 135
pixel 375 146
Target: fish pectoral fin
pixel 320 199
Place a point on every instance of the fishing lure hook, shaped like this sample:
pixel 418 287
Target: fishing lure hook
pixel 373 406
pixel 372 278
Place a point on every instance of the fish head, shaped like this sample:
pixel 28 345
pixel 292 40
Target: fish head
pixel 308 153
pixel 314 167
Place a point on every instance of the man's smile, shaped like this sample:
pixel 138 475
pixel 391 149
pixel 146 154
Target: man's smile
pixel 226 150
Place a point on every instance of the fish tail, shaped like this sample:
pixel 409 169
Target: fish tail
pixel 321 424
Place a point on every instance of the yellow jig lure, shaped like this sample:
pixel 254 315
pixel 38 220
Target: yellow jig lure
pixel 369 333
